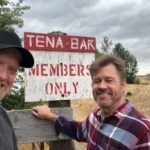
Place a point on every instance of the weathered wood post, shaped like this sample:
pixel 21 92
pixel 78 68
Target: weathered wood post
pixel 61 144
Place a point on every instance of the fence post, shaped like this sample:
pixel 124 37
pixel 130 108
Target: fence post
pixel 61 144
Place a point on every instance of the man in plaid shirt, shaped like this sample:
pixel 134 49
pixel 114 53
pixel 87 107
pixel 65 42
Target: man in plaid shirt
pixel 116 125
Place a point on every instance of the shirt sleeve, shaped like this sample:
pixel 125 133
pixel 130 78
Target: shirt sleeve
pixel 144 142
pixel 71 128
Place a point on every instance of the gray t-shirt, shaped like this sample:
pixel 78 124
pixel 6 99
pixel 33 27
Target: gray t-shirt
pixel 7 135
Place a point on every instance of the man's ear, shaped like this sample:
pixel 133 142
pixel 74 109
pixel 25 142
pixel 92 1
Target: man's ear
pixel 124 85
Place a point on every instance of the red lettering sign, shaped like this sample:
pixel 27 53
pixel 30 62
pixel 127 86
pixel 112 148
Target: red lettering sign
pixel 53 42
pixel 59 70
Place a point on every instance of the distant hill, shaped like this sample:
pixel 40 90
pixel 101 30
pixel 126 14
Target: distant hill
pixel 147 75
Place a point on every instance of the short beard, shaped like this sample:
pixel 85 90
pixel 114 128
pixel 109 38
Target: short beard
pixel 106 106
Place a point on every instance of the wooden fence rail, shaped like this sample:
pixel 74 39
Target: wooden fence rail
pixel 29 129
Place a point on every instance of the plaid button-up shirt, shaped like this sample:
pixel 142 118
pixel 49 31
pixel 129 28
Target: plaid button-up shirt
pixel 125 129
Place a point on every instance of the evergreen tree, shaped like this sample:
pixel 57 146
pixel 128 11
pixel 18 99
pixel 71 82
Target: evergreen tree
pixel 98 54
pixel 106 44
pixel 130 62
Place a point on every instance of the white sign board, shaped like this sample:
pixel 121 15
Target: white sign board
pixel 58 75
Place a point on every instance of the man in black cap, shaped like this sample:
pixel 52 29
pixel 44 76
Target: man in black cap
pixel 12 55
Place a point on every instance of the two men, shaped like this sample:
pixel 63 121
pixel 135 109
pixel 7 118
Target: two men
pixel 12 55
pixel 116 124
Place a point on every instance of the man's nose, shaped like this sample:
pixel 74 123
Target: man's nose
pixel 3 73
pixel 102 85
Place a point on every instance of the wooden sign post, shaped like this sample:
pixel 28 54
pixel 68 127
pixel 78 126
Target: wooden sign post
pixel 66 144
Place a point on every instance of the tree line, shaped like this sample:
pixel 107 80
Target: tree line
pixel 129 59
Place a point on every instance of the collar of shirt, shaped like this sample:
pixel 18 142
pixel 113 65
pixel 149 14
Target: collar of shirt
pixel 120 112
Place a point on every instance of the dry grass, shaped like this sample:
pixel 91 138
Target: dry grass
pixel 140 97
pixel 30 146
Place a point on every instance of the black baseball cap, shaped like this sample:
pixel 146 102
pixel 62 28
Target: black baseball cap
pixel 10 39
